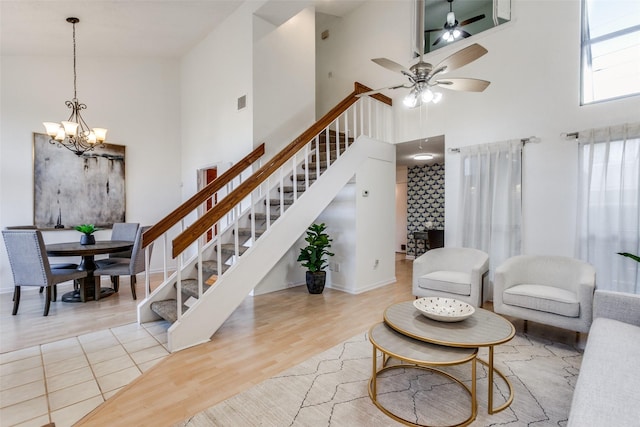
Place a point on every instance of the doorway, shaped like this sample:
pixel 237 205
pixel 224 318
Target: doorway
pixel 422 207
pixel 205 177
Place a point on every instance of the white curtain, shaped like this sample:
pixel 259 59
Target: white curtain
pixel 491 200
pixel 609 205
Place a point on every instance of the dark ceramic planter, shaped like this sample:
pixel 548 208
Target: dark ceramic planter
pixel 88 239
pixel 316 281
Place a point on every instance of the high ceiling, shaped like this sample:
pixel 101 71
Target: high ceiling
pixel 148 28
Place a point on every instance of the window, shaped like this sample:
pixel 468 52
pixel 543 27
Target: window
pixel 610 49
pixel 609 205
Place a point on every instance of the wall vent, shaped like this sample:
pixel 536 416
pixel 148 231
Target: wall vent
pixel 242 102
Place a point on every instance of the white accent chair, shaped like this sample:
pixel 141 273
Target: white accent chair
pixel 451 273
pixel 552 290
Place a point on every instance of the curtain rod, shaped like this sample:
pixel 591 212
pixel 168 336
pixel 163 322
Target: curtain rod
pixel 522 140
pixel 570 135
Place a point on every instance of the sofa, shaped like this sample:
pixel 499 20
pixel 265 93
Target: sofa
pixel 607 391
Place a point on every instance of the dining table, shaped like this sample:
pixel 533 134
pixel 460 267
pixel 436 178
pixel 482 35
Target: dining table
pixel 89 286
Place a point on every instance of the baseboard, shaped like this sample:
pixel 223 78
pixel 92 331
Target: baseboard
pixel 366 289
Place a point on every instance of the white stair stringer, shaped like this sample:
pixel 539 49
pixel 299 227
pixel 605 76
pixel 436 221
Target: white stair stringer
pixel 203 319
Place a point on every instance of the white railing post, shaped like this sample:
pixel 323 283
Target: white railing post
pixel 200 277
pixel 179 288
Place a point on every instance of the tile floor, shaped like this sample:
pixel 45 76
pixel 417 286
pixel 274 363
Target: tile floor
pixel 64 380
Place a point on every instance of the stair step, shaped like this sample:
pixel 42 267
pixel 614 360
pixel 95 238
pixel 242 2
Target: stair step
pixel 230 249
pixel 289 188
pixel 259 216
pixel 166 309
pixel 333 136
pixel 323 154
pixel 312 175
pixel 276 202
pixel 312 165
pixel 210 267
pixel 246 232
pixel 190 288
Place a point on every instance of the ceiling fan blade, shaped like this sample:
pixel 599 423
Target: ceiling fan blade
pixel 464 84
pixel 461 57
pixel 372 92
pixel 464 34
pixel 471 20
pixel 391 65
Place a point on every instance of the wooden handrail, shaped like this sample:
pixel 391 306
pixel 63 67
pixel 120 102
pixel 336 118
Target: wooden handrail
pixel 206 221
pixel 200 197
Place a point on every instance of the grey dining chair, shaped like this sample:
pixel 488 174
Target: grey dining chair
pixel 116 267
pixel 124 231
pixel 54 265
pixel 30 265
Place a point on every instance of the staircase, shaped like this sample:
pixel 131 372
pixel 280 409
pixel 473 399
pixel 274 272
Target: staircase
pixel 263 218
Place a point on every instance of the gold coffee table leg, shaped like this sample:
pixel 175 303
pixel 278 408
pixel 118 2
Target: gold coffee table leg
pixel 491 369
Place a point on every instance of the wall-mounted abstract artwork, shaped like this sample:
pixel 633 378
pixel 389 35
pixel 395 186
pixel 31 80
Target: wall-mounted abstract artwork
pixel 70 190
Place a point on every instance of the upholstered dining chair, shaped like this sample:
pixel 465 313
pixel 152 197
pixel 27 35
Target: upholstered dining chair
pixel 451 273
pixel 124 231
pixel 52 265
pixel 552 290
pixel 116 267
pixel 30 265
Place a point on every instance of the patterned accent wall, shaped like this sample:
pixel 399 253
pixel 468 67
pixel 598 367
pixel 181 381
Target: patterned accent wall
pixel 425 202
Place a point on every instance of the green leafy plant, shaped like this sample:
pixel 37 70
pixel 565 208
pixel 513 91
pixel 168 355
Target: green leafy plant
pixel 313 255
pixel 628 255
pixel 87 229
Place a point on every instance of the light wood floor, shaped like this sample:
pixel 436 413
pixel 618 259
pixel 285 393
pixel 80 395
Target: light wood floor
pixel 265 335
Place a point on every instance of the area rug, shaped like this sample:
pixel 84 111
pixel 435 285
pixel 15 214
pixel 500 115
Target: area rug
pixel 331 389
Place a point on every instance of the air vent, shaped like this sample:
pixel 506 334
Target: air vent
pixel 242 102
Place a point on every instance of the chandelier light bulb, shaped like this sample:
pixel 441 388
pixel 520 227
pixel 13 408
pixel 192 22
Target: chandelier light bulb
pixel 456 33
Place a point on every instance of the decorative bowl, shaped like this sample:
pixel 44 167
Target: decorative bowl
pixel 444 309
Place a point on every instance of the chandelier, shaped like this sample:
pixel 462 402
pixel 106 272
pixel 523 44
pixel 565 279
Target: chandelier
pixel 74 134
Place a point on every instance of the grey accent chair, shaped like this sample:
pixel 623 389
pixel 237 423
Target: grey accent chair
pixel 30 265
pixel 116 267
pixel 552 290
pixel 451 273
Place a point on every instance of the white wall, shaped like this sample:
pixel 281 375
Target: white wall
pixel 213 75
pixel 137 99
pixel 284 81
pixel 401 208
pixel 534 67
pixel 375 232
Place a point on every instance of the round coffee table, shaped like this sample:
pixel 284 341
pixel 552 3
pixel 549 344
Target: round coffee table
pixel 483 329
pixel 421 355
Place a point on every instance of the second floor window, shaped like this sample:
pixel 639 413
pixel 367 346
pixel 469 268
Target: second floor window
pixel 610 49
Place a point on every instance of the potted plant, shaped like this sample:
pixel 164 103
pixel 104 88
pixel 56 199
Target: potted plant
pixel 313 257
pixel 87 237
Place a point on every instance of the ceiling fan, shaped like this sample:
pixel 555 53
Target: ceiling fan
pixel 423 76
pixel 452 28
